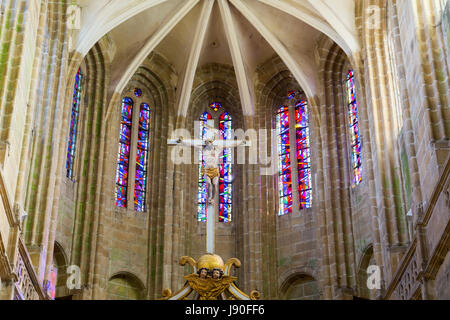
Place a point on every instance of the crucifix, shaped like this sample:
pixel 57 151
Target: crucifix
pixel 211 147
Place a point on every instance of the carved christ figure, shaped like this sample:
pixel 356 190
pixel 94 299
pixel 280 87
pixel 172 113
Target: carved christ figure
pixel 211 147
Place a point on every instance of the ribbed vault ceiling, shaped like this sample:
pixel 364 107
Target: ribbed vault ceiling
pixel 241 33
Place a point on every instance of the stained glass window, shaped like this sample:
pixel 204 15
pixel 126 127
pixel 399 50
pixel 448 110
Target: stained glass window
pixel 140 184
pixel 354 128
pixel 138 92
pixel 53 282
pixel 291 95
pixel 284 161
pixel 124 152
pixel 202 201
pixel 74 124
pixel 225 167
pixel 303 154
pixel 215 106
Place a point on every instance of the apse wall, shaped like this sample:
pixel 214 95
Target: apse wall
pixel 288 243
pixel 133 241
pixel 396 219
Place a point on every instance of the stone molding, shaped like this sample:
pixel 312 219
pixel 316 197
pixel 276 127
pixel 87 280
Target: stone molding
pixel 407 279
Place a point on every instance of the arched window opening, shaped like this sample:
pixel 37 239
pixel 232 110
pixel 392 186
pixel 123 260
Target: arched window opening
pixel 73 132
pixel 124 153
pixel 354 128
pixel 140 185
pixel 225 168
pixel 301 151
pixel 303 155
pixel 131 141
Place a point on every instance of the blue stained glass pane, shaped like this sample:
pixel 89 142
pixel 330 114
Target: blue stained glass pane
pixel 144 117
pixel 204 187
pixel 141 160
pixel 143 140
pixel 303 158
pixel 69 169
pixel 140 183
pixel 287 177
pixel 203 195
pixel 125 134
pixel 226 171
pixel 124 155
pixel 122 176
pixel 225 212
pixel 138 92
pixel 285 163
pixel 283 146
pixel 227 156
pixel 226 130
pixel 139 200
pixel 127 110
pixel 301 114
pixel 284 136
pixel 226 195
